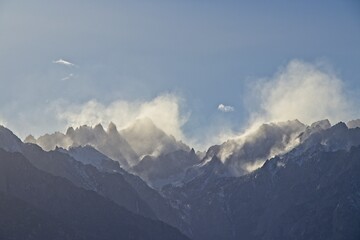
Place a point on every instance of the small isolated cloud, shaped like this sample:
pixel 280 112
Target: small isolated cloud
pixel 71 75
pixel 63 62
pixel 224 108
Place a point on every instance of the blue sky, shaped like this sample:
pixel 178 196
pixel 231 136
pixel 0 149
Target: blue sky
pixel 204 52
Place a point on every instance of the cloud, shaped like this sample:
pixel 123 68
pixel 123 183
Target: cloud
pixel 63 62
pixel 71 75
pixel 163 110
pixel 2 121
pixel 224 108
pixel 304 91
pixel 67 64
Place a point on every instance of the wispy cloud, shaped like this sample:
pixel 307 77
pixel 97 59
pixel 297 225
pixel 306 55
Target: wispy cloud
pixel 64 62
pixel 70 76
pixel 306 91
pixel 224 108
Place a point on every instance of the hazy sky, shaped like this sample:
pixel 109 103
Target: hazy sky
pixel 56 57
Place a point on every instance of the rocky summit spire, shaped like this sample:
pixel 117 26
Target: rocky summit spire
pixel 99 129
pixel 112 128
pixel 70 132
pixel 322 124
pixel 30 139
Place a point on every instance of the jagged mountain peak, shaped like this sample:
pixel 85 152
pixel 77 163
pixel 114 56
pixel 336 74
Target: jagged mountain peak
pixel 99 129
pixel 112 128
pixel 340 126
pixel 30 139
pixel 70 131
pixel 322 124
pixel 314 128
pixel 321 127
pixel 83 127
pixel 110 143
pixel 353 123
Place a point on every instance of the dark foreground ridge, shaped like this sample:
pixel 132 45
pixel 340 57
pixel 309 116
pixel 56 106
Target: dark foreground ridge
pixel 37 205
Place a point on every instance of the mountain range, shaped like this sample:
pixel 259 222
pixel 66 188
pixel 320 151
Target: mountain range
pixel 284 180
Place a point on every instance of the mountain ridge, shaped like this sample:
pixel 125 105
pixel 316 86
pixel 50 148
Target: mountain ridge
pixel 276 181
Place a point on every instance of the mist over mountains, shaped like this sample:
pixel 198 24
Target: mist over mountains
pixel 277 181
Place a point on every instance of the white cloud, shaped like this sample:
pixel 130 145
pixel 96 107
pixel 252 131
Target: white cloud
pixel 224 108
pixel 163 110
pixel 304 91
pixel 64 62
pixel 70 76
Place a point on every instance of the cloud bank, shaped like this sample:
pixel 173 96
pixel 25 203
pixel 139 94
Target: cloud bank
pixel 163 110
pixel 224 108
pixel 300 90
